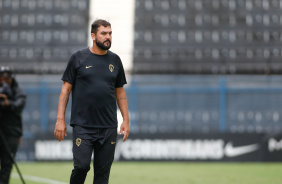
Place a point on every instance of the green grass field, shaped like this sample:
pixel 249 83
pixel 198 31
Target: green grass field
pixel 158 173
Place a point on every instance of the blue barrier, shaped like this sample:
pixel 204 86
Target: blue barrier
pixel 149 97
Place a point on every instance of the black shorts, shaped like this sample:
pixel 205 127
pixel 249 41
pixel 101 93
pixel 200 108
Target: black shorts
pixel 101 142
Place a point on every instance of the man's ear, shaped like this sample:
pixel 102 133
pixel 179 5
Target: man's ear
pixel 93 36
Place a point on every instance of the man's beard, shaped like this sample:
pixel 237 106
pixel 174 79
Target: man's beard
pixel 102 46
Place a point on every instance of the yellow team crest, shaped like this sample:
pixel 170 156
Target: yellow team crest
pixel 78 141
pixel 111 67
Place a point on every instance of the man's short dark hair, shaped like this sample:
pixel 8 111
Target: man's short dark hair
pixel 97 23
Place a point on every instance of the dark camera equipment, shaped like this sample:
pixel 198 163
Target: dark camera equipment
pixel 2 138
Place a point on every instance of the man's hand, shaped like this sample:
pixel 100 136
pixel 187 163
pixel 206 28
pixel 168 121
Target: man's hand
pixel 6 101
pixel 60 130
pixel 124 128
pixel 122 104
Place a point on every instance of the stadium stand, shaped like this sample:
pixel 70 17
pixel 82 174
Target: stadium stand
pixel 208 37
pixel 38 36
pixel 171 37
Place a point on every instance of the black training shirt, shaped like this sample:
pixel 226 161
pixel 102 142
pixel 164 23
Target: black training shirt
pixel 94 79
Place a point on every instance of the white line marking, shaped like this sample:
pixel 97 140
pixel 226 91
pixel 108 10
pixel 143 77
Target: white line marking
pixel 38 179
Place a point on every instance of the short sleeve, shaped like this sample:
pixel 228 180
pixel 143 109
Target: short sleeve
pixel 70 72
pixel 121 79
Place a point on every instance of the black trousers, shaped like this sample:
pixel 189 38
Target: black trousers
pixel 99 141
pixel 6 161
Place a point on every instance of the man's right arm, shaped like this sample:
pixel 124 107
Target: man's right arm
pixel 61 128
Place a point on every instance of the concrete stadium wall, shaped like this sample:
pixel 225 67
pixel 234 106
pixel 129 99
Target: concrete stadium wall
pixel 121 16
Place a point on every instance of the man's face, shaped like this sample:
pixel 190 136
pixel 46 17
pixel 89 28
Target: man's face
pixel 6 77
pixel 103 38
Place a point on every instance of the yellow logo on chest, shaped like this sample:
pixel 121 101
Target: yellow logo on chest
pixel 111 67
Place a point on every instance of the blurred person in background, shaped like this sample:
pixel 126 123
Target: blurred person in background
pixel 95 76
pixel 12 102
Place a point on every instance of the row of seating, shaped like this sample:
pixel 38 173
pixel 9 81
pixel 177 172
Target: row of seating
pixel 143 54
pixel 37 54
pixel 35 128
pixel 151 129
pixel 205 36
pixel 211 52
pixel 33 37
pixel 209 68
pixel 254 129
pixel 199 5
pixel 166 128
pixel 39 20
pixel 188 117
pixel 210 117
pixel 178 19
pixel 39 5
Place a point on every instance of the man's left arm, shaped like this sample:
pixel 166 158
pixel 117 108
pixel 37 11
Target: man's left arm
pixel 122 104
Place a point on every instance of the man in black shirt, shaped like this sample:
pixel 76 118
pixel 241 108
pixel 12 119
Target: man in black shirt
pixel 95 76
pixel 12 102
